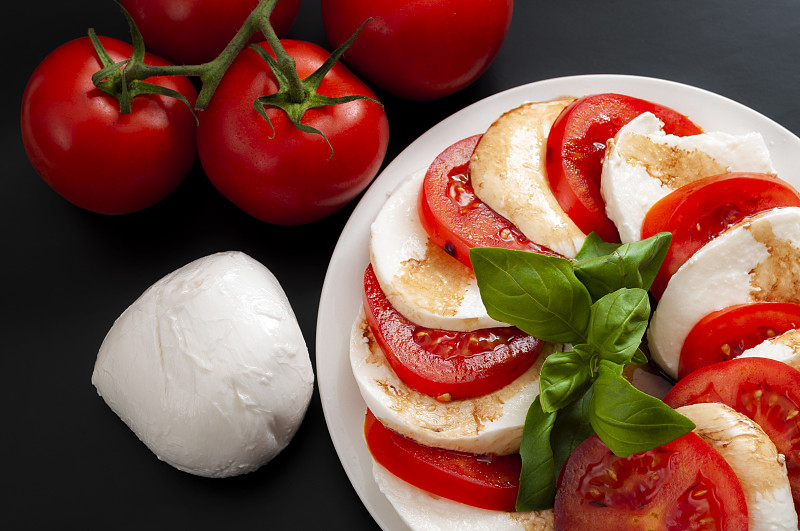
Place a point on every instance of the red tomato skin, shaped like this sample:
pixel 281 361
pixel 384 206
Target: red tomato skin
pixel 659 490
pixel 740 327
pixel 446 371
pixel 766 390
pixel 697 212
pixel 453 216
pixel 419 49
pixel 86 150
pixel 488 482
pixel 576 146
pixel 196 31
pixel 286 176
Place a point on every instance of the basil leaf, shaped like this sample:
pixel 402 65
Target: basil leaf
pixel 627 420
pixel 537 480
pixel 594 247
pixel 639 357
pixel 536 293
pixel 564 377
pixel 631 265
pixel 618 323
pixel 571 428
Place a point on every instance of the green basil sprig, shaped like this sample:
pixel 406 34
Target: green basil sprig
pixel 597 303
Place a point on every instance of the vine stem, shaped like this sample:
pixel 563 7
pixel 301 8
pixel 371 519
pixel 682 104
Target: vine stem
pixel 212 72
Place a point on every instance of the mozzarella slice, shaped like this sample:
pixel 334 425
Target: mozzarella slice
pixel 509 174
pixel 757 259
pixel 643 164
pixel 423 511
pixel 490 424
pixel 785 348
pixel 424 283
pixel 752 456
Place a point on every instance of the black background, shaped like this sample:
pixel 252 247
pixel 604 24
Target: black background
pixel 67 274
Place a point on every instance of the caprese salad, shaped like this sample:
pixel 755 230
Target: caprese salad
pixel 474 422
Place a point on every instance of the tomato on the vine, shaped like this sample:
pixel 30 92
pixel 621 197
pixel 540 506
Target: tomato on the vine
pixel 196 31
pixel 419 49
pixel 87 150
pixel 275 171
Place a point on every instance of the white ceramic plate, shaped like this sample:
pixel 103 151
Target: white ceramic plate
pixel 341 293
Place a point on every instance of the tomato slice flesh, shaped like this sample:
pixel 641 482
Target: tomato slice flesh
pixel 485 481
pixel 725 334
pixel 576 146
pixel 766 390
pixel 446 364
pixel 684 484
pixel 698 211
pixel 455 218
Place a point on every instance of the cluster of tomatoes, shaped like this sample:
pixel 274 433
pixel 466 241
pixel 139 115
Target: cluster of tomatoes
pixel 105 161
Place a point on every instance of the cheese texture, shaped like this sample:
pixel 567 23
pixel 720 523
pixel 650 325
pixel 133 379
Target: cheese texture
pixel 209 367
pixel 508 172
pixel 643 164
pixel 425 284
pixel 755 260
pixel 755 461
pixel 784 347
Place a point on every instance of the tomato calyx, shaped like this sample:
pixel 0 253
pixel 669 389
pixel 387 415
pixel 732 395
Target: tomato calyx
pixel 295 96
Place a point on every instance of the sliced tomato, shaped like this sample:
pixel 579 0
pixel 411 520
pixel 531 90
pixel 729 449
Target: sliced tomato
pixel 766 390
pixel 485 481
pixel 681 485
pixel 446 364
pixel 725 334
pixel 698 211
pixel 576 146
pixel 453 216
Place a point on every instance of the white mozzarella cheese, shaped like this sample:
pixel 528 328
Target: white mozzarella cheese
pixel 490 424
pixel 643 164
pixel 755 461
pixel 784 347
pixel 423 283
pixel 757 259
pixel 508 172
pixel 209 367
pixel 423 511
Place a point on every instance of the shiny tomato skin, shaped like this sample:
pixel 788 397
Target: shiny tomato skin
pixel 576 146
pixel 442 363
pixel 489 482
pixel 697 212
pixel 196 31
pixel 670 488
pixel 86 150
pixel 766 390
pixel 725 334
pixel 453 216
pixel 287 176
pixel 419 49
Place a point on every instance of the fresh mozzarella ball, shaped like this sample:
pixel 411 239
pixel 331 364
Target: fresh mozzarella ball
pixel 784 347
pixel 755 461
pixel 509 173
pixel 423 511
pixel 643 164
pixel 490 424
pixel 209 367
pixel 755 260
pixel 425 284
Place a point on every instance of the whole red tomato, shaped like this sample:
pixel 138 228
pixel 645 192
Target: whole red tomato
pixel 196 31
pixel 87 151
pixel 419 49
pixel 288 176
